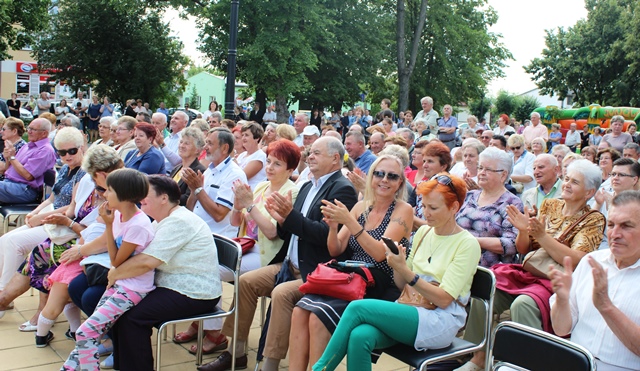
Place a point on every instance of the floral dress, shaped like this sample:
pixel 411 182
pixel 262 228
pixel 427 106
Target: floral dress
pixel 45 257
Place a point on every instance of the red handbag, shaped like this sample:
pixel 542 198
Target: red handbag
pixel 332 280
pixel 246 243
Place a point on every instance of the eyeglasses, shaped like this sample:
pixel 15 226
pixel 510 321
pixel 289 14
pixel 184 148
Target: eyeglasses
pixel 613 175
pixel 445 180
pixel 123 129
pixel 390 176
pixel 71 151
pixel 515 148
pixel 482 168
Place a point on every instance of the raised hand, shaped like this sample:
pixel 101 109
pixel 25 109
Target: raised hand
pixel 561 281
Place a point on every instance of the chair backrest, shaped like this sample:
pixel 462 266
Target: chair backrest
pixel 229 252
pixel 483 288
pixel 49 178
pixel 525 347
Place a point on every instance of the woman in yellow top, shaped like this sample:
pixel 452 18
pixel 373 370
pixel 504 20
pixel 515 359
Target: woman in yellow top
pixel 442 252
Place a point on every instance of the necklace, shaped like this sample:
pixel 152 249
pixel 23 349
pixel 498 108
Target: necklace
pixel 444 237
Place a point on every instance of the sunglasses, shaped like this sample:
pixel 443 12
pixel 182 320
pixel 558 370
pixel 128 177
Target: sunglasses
pixel 445 180
pixel 382 174
pixel 516 148
pixel 63 152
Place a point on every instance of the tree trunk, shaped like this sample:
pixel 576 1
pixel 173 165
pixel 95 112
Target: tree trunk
pixel 281 110
pixel 406 70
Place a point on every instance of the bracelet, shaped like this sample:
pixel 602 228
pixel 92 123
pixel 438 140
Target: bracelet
pixel 79 252
pixel 237 210
pixel 415 280
pixel 250 208
pixel 72 223
pixel 359 233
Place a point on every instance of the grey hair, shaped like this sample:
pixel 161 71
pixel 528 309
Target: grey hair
pixel 591 172
pixel 561 147
pixel 356 135
pixel 535 114
pixel 69 135
pixel 472 118
pixel 183 114
pixel 626 197
pixel 75 121
pixel 224 137
pixel 217 114
pixel 476 144
pixel 398 152
pixel 515 140
pixel 110 119
pixel 163 117
pixel 196 135
pixel 539 139
pixel 101 158
pixel 633 146
pixel 470 132
pixel 407 130
pixel 334 146
pixel 550 159
pixel 426 99
pixel 617 118
pixel 502 158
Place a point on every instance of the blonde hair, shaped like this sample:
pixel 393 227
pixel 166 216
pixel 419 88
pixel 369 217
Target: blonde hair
pixel 401 193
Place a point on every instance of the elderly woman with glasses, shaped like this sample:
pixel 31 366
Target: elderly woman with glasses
pixel 522 164
pixel 442 252
pixel 525 288
pixel 12 131
pixel 104 131
pixel 484 213
pixel 124 136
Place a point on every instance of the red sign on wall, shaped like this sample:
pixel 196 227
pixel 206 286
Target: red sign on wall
pixel 27 67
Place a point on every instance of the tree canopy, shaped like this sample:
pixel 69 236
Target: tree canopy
pixel 596 59
pixel 124 51
pixel 19 22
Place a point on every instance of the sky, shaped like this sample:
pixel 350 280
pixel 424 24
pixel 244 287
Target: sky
pixel 522 24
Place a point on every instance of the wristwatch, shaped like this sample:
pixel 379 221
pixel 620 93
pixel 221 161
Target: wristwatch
pixel 250 208
pixel 198 190
pixel 12 158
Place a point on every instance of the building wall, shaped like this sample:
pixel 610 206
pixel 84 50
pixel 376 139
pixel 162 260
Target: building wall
pixel 208 87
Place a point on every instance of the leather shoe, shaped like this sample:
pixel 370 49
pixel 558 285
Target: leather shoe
pixel 223 362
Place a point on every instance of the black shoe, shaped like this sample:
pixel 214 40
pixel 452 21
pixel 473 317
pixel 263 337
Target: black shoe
pixel 43 341
pixel 70 335
pixel 223 362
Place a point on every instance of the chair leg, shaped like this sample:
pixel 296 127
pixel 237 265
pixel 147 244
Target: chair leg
pixel 199 343
pixel 159 347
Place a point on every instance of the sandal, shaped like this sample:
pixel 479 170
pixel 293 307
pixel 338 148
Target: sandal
pixel 220 342
pixel 27 327
pixel 185 337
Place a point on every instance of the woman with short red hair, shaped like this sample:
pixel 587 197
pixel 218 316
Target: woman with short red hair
pixel 503 126
pixel 147 158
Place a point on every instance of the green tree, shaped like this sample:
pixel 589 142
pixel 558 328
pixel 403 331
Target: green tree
pixel 505 102
pixel 480 107
pixel 592 58
pixel 275 48
pixel 123 50
pixel 19 22
pixel 525 106
pixel 194 102
pixel 458 55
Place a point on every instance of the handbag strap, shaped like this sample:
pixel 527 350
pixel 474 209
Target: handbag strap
pixel 573 225
pixel 420 242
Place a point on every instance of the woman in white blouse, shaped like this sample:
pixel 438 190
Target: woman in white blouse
pixel 252 160
pixel 187 274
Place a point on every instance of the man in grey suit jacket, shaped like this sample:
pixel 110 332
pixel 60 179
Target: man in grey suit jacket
pixel 304 233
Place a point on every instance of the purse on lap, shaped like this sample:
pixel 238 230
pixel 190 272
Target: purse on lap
pixel 345 283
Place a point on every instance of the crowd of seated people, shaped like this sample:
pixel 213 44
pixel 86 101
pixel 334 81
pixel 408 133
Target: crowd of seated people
pixel 139 247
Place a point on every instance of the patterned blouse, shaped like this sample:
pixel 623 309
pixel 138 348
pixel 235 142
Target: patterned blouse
pixel 63 188
pixel 585 237
pixel 491 221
